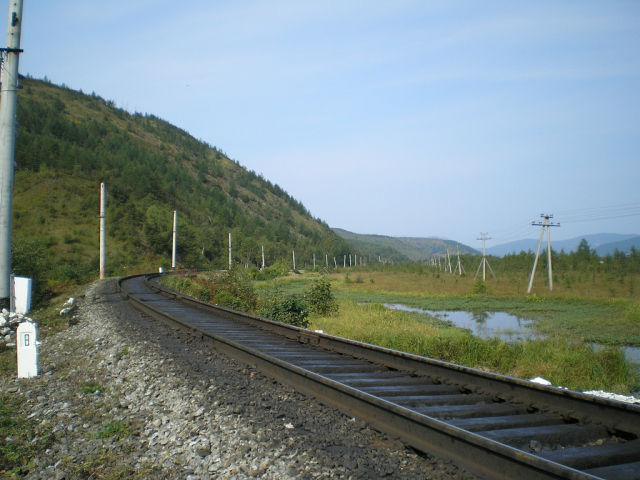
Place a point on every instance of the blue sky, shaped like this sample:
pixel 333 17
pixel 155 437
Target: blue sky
pixel 403 118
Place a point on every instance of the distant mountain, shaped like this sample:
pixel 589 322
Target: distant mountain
pixel 601 242
pixel 621 246
pixel 401 249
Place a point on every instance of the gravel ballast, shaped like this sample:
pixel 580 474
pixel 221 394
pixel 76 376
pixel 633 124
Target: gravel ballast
pixel 126 397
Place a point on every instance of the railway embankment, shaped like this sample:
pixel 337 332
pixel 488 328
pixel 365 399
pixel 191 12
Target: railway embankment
pixel 122 397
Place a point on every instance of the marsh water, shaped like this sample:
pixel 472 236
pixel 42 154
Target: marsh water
pixel 502 325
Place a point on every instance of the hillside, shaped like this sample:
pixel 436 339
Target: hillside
pixel 401 249
pixel 68 142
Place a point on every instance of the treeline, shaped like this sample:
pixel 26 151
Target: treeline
pixel 583 261
pixel 151 168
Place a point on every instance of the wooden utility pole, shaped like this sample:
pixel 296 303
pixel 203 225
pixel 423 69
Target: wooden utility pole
pixel 545 223
pixel 8 105
pixel 103 230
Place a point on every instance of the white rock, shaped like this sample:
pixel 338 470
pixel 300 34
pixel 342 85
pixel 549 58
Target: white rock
pixel 613 396
pixel 65 311
pixel 70 302
pixel 3 321
pixel 540 381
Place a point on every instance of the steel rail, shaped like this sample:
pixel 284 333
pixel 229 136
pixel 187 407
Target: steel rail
pixel 331 369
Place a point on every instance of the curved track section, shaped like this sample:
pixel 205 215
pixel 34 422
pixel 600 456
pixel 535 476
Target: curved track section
pixel 495 426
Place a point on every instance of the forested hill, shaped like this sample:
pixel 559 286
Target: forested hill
pixel 402 249
pixel 68 142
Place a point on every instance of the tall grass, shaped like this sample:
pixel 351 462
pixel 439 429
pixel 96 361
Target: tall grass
pixel 563 362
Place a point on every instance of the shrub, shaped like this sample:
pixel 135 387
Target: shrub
pixel 320 298
pixel 234 290
pixel 479 288
pixel 290 309
pixel 278 269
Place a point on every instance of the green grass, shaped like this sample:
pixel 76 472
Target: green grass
pixel 564 356
pixel 563 361
pixel 92 387
pixel 109 465
pixel 117 429
pixel 21 438
pixel 596 320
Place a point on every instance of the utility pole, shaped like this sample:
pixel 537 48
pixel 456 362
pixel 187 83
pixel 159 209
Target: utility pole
pixel 230 257
pixel 8 105
pixel 294 260
pixel 175 239
pixel 103 230
pixel 545 223
pixel 484 262
pixel 459 267
pixel 262 257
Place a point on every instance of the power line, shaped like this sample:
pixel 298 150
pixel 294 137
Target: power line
pixel 601 213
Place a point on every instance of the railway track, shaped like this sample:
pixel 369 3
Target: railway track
pixel 492 425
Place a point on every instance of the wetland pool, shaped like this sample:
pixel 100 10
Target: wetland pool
pixel 502 325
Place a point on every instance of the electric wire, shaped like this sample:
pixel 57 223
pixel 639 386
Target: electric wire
pixel 580 215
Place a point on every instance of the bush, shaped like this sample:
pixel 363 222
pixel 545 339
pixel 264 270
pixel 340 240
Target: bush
pixel 291 309
pixel 30 258
pixel 479 288
pixel 278 269
pixel 189 286
pixel 320 298
pixel 234 290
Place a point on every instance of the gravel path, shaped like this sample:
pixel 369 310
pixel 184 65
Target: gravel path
pixel 126 398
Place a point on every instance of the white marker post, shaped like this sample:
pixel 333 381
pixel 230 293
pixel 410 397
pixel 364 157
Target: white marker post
pixel 27 350
pixel 21 294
